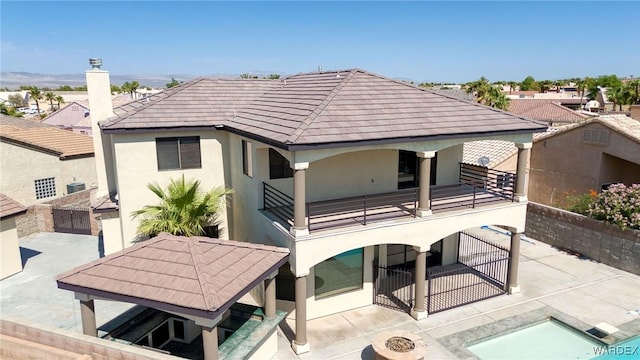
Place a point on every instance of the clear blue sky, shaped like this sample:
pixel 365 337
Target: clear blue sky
pixel 420 40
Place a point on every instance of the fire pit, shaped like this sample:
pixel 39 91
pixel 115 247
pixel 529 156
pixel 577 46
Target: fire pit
pixel 398 345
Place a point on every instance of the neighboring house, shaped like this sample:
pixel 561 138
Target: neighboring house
pixel 10 260
pixel 38 161
pixel 352 171
pixel 586 156
pixel 68 117
pixel 550 111
pixel 570 160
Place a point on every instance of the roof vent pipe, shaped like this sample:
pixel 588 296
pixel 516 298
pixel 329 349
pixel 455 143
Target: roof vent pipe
pixel 95 63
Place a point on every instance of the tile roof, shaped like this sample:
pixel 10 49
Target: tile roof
pixel 620 123
pixel 10 207
pixel 45 138
pixel 318 108
pixel 201 102
pixel 195 276
pixel 496 151
pixel 544 110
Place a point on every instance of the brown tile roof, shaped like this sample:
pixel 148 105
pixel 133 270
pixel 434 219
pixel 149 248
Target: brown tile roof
pixel 10 207
pixel 196 276
pixel 45 138
pixel 496 151
pixel 545 110
pixel 620 123
pixel 201 102
pixel 318 108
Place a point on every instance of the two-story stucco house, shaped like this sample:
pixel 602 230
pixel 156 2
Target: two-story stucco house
pixel 353 172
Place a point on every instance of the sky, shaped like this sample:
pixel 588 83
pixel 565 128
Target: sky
pixel 421 41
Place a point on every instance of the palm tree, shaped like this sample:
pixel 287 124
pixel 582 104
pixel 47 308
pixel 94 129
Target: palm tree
pixel 488 94
pixel 50 96
pixel 248 76
pixel 512 84
pixel 59 100
pixel 274 76
pixel 36 95
pixel 183 210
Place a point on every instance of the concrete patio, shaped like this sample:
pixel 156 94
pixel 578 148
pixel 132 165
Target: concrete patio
pixel 580 292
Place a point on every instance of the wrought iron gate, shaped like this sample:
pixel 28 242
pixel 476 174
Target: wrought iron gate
pixel 72 220
pixel 393 288
pixel 481 273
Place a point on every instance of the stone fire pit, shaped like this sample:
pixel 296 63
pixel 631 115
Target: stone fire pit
pixel 398 345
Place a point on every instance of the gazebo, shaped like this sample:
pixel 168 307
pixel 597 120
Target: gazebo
pixel 197 278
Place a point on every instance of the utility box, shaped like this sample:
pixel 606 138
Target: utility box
pixel 75 187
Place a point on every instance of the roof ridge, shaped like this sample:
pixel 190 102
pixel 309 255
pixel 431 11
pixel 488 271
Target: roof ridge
pixel 314 114
pixel 207 286
pixel 566 109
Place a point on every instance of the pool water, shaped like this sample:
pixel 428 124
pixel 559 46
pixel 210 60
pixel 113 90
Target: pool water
pixel 629 349
pixel 549 340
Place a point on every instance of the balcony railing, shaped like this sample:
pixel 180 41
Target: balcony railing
pixel 477 187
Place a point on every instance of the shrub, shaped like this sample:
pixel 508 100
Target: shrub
pixel 618 205
pixel 580 203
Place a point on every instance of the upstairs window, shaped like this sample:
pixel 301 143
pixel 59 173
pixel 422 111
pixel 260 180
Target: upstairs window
pixel 279 167
pixel 247 158
pixel 178 153
pixel 45 188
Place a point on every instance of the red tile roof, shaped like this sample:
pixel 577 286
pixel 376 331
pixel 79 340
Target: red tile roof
pixel 10 207
pixel 545 110
pixel 319 108
pixel 196 276
pixel 45 138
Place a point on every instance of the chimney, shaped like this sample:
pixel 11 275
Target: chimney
pixel 101 108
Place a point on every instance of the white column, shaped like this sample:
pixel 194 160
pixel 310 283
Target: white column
pixel 514 259
pixel 424 201
pixel 299 227
pixel 210 342
pixel 300 343
pixel 522 171
pixel 418 312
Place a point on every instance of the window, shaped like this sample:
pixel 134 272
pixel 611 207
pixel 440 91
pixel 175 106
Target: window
pixel 409 169
pixel 178 153
pixel 339 274
pixel 247 158
pixel 279 167
pixel 45 188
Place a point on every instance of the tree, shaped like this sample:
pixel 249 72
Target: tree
pixel 65 88
pixel 36 95
pixel 512 84
pixel 59 100
pixel 184 209
pixel 487 94
pixel 16 101
pixel 50 96
pixel 528 84
pixel 173 83
pixel 248 76
pixel 115 89
pixel 5 110
pixel 633 88
pixel 545 85
pixel 130 87
pixel 274 76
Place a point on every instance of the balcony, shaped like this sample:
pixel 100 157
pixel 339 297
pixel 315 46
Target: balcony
pixel 477 187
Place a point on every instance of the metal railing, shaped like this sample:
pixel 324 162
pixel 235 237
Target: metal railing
pixel 362 209
pixel 481 273
pixel 278 203
pixel 477 187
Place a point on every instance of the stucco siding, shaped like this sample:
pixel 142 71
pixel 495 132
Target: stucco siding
pixel 22 166
pixel 563 164
pixel 137 166
pixel 10 260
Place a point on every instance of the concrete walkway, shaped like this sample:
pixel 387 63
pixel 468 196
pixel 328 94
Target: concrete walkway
pixel 580 292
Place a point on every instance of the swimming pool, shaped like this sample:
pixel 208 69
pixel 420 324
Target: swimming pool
pixel 629 349
pixel 548 340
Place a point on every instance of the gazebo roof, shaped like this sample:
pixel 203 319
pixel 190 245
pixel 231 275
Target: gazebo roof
pixel 195 276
